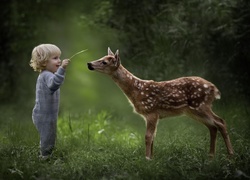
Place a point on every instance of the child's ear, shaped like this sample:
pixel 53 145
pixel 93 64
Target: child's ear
pixel 44 64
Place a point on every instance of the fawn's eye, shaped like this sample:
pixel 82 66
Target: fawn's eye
pixel 104 62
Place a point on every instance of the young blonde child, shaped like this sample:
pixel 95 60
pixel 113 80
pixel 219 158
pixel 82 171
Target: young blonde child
pixel 45 59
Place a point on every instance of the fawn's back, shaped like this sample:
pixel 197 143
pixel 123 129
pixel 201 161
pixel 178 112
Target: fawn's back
pixel 192 92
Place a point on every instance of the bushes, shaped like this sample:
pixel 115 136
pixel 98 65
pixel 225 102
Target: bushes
pixel 168 39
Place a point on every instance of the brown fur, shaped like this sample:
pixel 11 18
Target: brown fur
pixel 192 96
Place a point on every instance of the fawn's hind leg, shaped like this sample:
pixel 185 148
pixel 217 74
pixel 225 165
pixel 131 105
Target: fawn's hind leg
pixel 221 125
pixel 213 136
pixel 206 116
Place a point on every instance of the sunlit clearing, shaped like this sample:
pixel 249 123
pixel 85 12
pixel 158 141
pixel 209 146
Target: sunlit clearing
pixel 101 128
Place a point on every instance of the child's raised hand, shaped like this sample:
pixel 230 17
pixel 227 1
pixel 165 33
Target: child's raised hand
pixel 65 63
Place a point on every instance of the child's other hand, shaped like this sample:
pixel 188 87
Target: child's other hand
pixel 65 63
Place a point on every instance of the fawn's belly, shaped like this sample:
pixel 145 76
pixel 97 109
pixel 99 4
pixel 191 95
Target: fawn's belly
pixel 170 112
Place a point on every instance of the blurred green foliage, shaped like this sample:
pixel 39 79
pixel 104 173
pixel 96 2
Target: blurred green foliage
pixel 168 39
pixel 158 40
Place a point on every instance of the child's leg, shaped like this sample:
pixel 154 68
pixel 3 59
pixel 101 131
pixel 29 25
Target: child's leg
pixel 47 137
pixel 47 132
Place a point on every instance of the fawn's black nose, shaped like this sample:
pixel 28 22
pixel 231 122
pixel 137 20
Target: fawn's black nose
pixel 90 66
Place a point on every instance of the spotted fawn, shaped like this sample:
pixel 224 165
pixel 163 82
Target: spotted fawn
pixel 192 96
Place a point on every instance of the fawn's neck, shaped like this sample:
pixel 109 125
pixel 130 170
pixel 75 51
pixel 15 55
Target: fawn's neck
pixel 126 81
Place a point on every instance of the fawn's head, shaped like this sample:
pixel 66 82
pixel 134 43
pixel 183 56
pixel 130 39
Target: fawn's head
pixel 106 64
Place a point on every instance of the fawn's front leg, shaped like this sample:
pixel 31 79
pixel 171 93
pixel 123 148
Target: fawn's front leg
pixel 151 125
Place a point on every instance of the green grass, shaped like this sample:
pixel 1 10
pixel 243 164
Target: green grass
pixel 99 145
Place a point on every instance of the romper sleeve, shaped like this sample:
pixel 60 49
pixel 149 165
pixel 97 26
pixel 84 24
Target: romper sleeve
pixel 54 81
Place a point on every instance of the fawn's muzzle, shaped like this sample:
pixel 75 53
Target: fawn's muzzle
pixel 90 66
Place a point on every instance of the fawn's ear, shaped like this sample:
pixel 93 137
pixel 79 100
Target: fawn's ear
pixel 110 52
pixel 117 58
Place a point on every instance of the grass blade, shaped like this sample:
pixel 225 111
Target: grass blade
pixel 77 53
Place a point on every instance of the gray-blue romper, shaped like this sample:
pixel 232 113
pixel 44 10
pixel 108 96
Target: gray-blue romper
pixel 46 108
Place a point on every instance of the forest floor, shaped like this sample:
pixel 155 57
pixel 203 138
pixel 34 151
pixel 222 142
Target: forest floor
pixel 98 145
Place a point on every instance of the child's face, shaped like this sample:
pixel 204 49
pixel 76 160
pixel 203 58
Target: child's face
pixel 53 63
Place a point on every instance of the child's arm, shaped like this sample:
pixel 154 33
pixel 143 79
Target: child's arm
pixel 54 81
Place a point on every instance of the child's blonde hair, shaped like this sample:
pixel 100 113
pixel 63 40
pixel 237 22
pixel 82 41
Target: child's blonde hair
pixel 41 54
